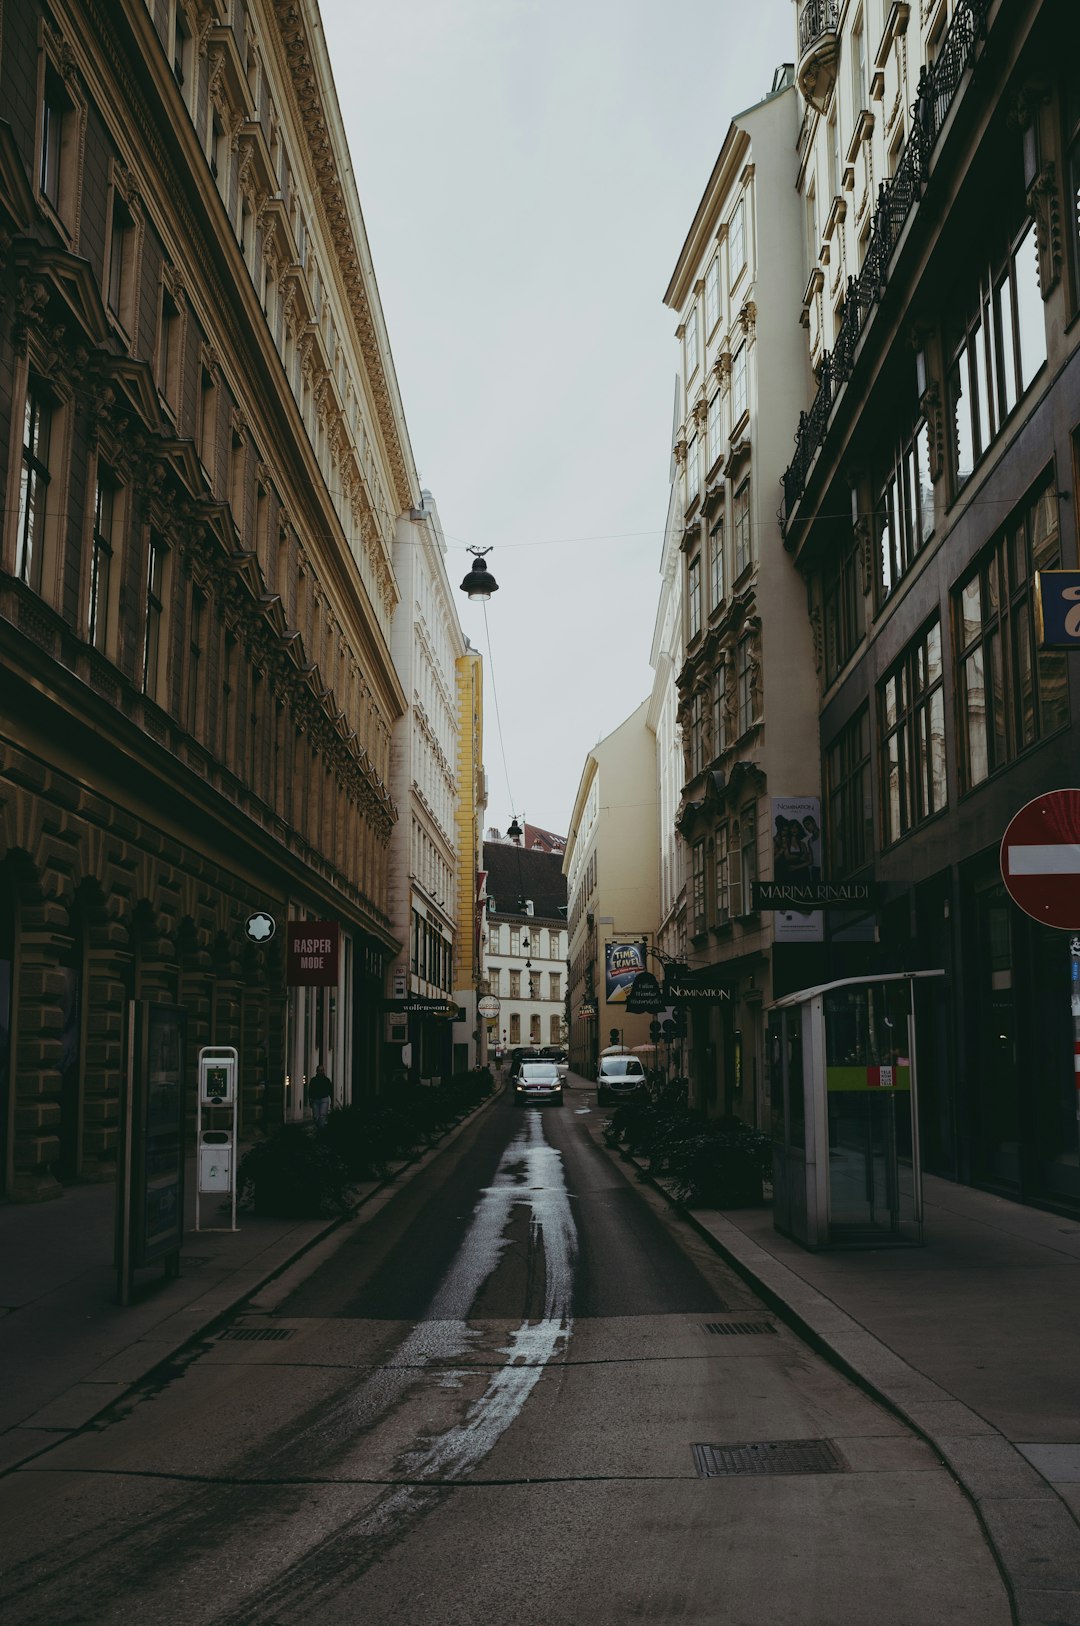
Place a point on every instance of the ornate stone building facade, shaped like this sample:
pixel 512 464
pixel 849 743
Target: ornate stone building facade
pixel 202 451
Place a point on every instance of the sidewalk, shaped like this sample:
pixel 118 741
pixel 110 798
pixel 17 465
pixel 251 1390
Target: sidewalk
pixel 974 1340
pixel 68 1349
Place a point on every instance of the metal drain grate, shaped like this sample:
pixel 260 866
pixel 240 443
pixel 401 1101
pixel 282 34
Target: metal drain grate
pixel 769 1457
pixel 264 1335
pixel 728 1327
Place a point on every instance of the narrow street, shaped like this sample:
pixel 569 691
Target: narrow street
pixel 481 1404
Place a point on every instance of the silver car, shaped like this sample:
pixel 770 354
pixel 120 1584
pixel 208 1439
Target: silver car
pixel 538 1081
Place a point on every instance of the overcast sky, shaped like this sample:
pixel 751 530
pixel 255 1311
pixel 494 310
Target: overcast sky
pixel 528 171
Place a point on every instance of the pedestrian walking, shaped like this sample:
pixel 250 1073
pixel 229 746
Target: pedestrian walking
pixel 320 1093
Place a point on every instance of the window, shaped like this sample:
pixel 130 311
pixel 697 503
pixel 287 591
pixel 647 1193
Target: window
pixel 515 1028
pixel 1072 126
pixel 836 168
pixel 716 560
pixel 121 284
pixel 738 385
pixel 554 1030
pixel 218 150
pixel 905 510
pixel 743 537
pixel 737 243
pixel 720 739
pixel 168 350
pixel 206 424
pixel 1009 695
pixel 812 242
pixel 858 65
pixel 228 688
pixel 154 614
pixel 848 798
pixel 714 430
pixel 554 985
pixel 744 683
pixel 691 342
pixel 712 294
pixel 693 596
pixel 494 984
pixel 101 558
pixel 33 486
pixel 180 46
pixel 912 707
pixel 534 1029
pixel 748 870
pixel 693 470
pixel 515 984
pixel 515 941
pixel 697 887
pixel 995 352
pixel 723 876
pixel 843 604
pixel 58 139
pixel 195 637
pixel 697 742
pixel 534 985
pixel 255 731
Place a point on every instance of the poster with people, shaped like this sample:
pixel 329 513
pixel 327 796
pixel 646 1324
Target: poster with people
pixel 796 831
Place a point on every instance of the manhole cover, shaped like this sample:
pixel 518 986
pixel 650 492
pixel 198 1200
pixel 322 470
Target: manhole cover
pixel 265 1335
pixel 768 1457
pixel 728 1328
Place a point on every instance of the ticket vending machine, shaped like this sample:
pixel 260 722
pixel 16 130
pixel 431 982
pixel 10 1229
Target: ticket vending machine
pixel 843 1080
pixel 216 1143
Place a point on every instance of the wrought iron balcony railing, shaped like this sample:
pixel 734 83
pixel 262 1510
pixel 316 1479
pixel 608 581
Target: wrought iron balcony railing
pixel 897 197
pixel 816 17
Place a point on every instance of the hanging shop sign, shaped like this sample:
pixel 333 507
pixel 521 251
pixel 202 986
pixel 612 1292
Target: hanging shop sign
pixel 796 863
pixel 623 964
pixel 587 1010
pixel 260 927
pixel 314 954
pixel 1057 609
pixel 709 990
pixel 418 1005
pixel 645 994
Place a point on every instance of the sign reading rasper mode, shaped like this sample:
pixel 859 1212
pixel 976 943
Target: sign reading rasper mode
pixel 314 954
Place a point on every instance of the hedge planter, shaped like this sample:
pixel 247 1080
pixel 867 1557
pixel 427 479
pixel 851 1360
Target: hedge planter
pixel 295 1174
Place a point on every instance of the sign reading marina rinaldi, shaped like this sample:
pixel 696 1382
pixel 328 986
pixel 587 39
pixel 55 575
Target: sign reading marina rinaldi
pixel 314 954
pixel 813 894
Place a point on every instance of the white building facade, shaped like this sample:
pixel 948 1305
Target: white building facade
pixel 427 644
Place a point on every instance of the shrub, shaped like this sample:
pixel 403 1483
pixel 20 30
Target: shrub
pixel 295 1173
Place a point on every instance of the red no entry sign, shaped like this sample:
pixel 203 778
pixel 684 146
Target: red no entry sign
pixel 1040 859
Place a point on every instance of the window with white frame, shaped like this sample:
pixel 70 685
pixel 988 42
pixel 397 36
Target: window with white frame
pixel 739 399
pixel 691 342
pixel 693 469
pixel 737 243
pixel 716 559
pixel 693 597
pixel 714 430
pixel 712 294
pixel 743 530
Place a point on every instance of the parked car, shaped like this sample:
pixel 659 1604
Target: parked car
pixel 538 1081
pixel 555 1053
pixel 619 1078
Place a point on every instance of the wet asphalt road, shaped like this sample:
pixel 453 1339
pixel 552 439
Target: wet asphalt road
pixel 481 1406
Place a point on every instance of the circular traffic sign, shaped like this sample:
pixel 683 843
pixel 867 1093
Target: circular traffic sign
pixel 1040 859
pixel 260 927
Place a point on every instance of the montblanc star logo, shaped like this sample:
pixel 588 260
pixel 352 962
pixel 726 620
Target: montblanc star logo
pixel 260 928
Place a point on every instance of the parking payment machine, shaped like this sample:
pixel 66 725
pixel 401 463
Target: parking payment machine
pixel 845 1113
pixel 216 1146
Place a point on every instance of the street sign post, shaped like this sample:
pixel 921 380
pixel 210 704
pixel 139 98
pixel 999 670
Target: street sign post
pixel 1040 859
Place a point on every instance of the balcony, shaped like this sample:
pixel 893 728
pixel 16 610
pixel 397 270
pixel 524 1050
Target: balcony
pixel 819 48
pixel 939 86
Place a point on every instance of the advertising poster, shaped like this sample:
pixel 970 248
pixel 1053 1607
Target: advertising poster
pixel 796 835
pixel 622 963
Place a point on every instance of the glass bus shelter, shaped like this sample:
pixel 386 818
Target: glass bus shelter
pixel 843 1080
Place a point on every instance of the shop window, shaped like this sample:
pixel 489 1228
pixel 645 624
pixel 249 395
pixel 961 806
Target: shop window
pixel 849 798
pixel 1010 696
pixel 912 708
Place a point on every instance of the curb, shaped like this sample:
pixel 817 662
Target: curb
pixel 249 1283
pixel 1030 1531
